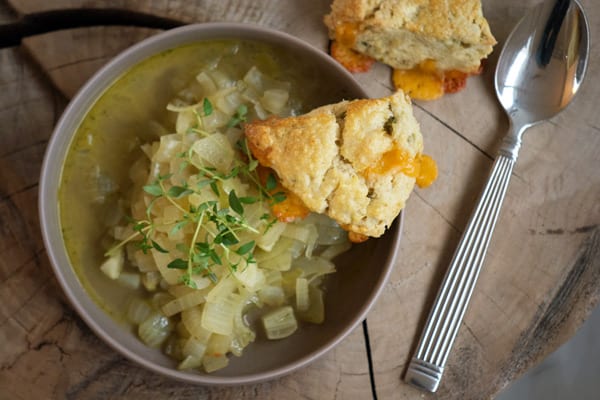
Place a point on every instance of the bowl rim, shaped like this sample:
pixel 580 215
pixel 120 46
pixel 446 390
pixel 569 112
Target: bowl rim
pixel 57 149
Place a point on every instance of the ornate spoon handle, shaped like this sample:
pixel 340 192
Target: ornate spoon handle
pixel 427 365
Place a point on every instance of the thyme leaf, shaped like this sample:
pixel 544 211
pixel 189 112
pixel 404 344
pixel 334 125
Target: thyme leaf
pixel 245 248
pixel 271 182
pixel 235 203
pixel 207 107
pixel 178 192
pixel 157 247
pixel 154 190
pixel 178 263
pixel 239 116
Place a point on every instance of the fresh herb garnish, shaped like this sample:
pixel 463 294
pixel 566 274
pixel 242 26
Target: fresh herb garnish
pixel 271 182
pixel 207 107
pixel 239 116
pixel 217 227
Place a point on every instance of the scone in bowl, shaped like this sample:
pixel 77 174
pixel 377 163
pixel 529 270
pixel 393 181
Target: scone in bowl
pixel 74 220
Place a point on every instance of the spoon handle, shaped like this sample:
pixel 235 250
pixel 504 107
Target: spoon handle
pixel 427 365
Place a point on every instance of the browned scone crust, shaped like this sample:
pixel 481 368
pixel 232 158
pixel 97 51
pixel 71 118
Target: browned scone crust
pixel 323 156
pixel 405 33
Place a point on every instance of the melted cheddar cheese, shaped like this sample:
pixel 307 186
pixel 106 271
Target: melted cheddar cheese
pixel 426 82
pixel 288 210
pixel 422 167
pixel 419 84
pixel 428 171
pixel 350 59
pixel 342 50
pixel 345 33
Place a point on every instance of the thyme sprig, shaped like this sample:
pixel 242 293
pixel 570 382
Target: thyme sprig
pixel 216 225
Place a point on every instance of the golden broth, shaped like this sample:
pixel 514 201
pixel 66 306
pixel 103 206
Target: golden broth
pixel 131 112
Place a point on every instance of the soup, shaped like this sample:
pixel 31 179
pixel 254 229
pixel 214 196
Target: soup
pixel 118 131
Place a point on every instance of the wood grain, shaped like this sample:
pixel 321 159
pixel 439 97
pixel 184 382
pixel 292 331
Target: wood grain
pixel 300 18
pixel 540 280
pixel 69 70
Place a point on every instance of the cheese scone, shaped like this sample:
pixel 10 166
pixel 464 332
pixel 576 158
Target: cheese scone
pixel 429 43
pixel 356 161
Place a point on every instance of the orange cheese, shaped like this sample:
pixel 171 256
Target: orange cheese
pixel 395 160
pixel 428 171
pixel 352 60
pixel 292 207
pixel 422 167
pixel 345 33
pixel 342 48
pixel 425 82
pixel 455 81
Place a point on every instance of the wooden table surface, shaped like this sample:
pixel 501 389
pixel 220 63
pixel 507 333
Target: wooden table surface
pixel 540 279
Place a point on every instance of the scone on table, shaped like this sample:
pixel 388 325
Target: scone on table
pixel 355 161
pixel 433 45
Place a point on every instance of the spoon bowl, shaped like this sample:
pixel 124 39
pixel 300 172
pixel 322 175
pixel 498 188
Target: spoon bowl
pixel 543 62
pixel 540 69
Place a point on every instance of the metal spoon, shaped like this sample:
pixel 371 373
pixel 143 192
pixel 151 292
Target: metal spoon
pixel 540 69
